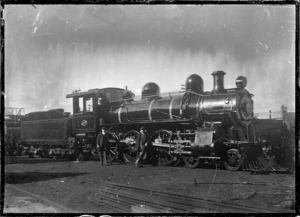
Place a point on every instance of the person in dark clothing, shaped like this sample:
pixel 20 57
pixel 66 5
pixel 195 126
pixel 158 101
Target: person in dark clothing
pixel 143 142
pixel 103 146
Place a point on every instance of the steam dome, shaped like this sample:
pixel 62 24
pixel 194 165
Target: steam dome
pixel 194 83
pixel 150 89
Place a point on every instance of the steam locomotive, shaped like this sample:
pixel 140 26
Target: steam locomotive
pixel 189 125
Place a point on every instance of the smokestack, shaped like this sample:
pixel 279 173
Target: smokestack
pixel 218 81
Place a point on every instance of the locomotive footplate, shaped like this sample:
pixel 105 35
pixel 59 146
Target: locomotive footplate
pixel 205 157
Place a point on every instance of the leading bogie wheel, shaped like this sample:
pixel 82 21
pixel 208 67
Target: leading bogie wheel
pixel 164 157
pixel 233 160
pixel 191 161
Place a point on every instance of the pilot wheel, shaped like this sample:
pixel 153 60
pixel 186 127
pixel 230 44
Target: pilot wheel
pixel 191 161
pixel 233 160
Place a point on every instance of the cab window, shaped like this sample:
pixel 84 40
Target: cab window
pixel 77 105
pixel 83 104
pixel 80 104
pixel 89 104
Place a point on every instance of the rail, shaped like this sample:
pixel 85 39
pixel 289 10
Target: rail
pixel 124 198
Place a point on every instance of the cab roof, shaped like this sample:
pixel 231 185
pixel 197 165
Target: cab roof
pixel 92 91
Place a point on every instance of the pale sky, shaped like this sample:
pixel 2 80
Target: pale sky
pixel 51 50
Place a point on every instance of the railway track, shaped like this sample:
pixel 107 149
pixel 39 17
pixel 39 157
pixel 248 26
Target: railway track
pixel 126 199
pixel 36 203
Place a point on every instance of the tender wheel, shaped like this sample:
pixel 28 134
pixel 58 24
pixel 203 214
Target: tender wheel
pixel 191 162
pixel 233 160
pixel 162 137
pixel 130 152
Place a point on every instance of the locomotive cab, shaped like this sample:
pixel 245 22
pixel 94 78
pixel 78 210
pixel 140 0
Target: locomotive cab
pixel 90 108
pixel 85 107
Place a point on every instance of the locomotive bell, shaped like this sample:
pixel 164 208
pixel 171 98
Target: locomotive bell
pixel 218 81
pixel 150 89
pixel 194 83
pixel 241 82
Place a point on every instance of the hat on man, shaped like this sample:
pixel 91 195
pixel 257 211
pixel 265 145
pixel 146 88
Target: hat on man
pixel 142 128
pixel 102 128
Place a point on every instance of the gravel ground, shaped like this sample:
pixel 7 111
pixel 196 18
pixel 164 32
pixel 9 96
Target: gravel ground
pixel 64 186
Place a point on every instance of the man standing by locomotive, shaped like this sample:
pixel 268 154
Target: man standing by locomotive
pixel 103 146
pixel 142 143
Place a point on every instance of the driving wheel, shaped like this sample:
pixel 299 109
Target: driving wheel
pixel 130 152
pixel 162 144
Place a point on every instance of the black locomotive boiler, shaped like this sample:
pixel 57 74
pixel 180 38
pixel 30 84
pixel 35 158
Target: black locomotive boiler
pixel 192 125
